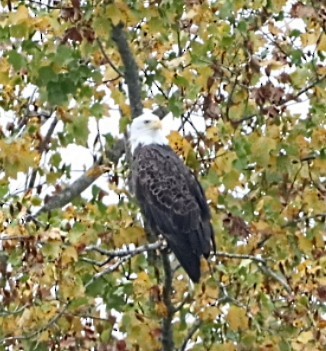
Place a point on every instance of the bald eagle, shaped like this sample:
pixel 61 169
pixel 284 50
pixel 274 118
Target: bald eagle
pixel 170 197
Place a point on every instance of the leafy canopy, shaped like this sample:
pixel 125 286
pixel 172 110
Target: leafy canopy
pixel 252 72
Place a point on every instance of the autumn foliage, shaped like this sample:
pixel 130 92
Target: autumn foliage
pixel 246 78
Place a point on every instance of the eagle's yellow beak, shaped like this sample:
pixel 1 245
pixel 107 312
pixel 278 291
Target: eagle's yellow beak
pixel 156 125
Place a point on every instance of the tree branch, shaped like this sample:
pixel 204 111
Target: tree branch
pixel 262 265
pixel 73 190
pixel 191 333
pixel 110 269
pixel 107 59
pixel 167 338
pixel 131 70
pixel 160 244
pixel 39 331
pixel 304 90
pixel 267 271
pixel 240 257
pixel 41 149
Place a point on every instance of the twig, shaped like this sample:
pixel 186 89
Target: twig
pixel 230 97
pixel 304 90
pixel 262 265
pixel 320 216
pixel 185 300
pixel 266 270
pixel 240 257
pixel 16 237
pixel 128 252
pixel 39 3
pixel 41 149
pixel 108 270
pixel 108 59
pixel 8 313
pixel 191 333
pixel 39 331
pixel 159 88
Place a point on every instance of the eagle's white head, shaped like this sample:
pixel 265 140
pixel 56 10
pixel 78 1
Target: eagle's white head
pixel 145 130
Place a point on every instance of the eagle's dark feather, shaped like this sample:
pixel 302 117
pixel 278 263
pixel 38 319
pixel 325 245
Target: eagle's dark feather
pixel 174 204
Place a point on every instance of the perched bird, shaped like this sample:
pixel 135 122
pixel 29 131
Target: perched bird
pixel 170 197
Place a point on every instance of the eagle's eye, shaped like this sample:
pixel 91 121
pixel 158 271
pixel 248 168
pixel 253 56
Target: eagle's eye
pixel 147 121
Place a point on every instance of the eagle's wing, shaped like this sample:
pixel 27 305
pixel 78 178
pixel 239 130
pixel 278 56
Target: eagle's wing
pixel 174 204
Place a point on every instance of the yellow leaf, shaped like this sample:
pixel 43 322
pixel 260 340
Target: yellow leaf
pixel 161 309
pixel 53 234
pixel 305 244
pixel 141 285
pixel 210 314
pixel 212 194
pixel 132 234
pixel 179 144
pixel 309 38
pixel 305 337
pixel 261 148
pixel 223 347
pixel 44 336
pixel 71 286
pixel 42 23
pixel 273 29
pixel 18 156
pixel 114 14
pixel 110 73
pixel 25 318
pixel 321 70
pixel 320 93
pixel 175 63
pixel 20 16
pixel 257 41
pixel 277 5
pixel 322 43
pixel 231 179
pixel 69 255
pixel 4 65
pixel 224 162
pixel 236 111
pixel 212 134
pixel 237 318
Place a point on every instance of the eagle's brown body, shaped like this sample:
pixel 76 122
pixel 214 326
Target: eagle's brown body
pixel 174 204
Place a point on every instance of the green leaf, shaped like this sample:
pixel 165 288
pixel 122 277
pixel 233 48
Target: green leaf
pixel 64 55
pixel 97 287
pixel 45 75
pixel 97 110
pixel 58 91
pixel 52 249
pixel 79 130
pixel 17 60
